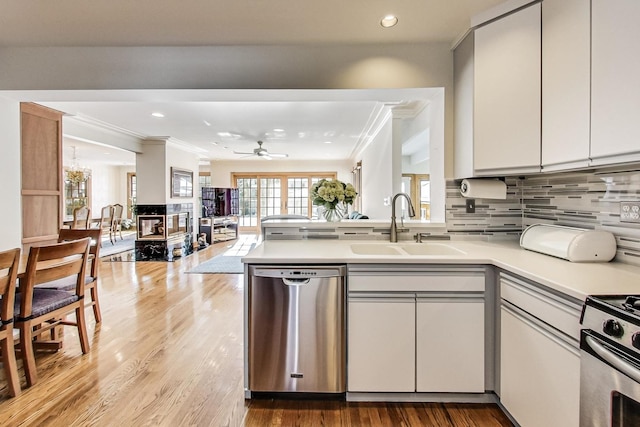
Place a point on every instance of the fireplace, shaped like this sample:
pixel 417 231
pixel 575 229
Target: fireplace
pixel 164 231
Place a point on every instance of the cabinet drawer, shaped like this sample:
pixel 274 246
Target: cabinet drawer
pixel 562 314
pixel 437 282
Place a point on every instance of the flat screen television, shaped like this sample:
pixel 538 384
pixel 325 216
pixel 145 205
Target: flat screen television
pixel 218 201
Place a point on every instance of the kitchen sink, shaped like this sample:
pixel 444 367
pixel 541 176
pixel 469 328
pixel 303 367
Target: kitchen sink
pixel 433 249
pixel 374 249
pixel 430 249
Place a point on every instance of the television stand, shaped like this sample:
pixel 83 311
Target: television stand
pixel 219 229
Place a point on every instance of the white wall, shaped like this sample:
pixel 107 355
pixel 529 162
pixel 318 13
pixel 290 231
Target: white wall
pixel 152 173
pixel 377 174
pixel 181 159
pixel 11 214
pixel 105 186
pixel 418 168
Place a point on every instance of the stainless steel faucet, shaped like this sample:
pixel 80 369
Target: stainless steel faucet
pixel 393 235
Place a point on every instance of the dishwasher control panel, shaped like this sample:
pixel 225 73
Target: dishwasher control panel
pixel 304 272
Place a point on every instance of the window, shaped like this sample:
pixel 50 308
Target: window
pixel 76 194
pixel 205 179
pixel 265 194
pixel 418 187
pixel 132 194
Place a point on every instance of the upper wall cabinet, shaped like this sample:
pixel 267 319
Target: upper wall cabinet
pixel 499 79
pixel 565 84
pixel 615 109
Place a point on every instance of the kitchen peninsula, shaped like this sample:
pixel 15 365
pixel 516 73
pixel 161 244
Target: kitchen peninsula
pixel 451 320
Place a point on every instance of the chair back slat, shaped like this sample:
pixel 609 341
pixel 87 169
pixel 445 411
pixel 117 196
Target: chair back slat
pixel 81 217
pixel 65 268
pixel 52 262
pixel 9 261
pixel 95 234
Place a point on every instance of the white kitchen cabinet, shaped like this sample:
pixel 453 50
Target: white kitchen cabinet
pixel 450 346
pixel 381 344
pixel 539 355
pixel 416 329
pixel 566 62
pixel 506 115
pixel 614 86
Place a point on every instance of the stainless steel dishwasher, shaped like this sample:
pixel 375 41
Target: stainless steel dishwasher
pixel 297 329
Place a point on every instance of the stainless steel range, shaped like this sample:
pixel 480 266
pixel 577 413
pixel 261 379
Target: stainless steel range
pixel 610 362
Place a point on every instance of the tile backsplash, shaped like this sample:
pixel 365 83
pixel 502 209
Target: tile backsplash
pixel 584 199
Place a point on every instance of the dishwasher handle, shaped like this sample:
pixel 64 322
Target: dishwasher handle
pixel 295 282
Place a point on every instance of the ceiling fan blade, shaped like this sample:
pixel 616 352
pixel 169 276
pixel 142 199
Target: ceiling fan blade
pixel 279 155
pixel 242 152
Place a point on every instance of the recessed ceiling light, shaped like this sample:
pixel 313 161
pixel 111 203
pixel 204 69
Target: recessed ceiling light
pixel 328 142
pixel 389 21
pixel 225 134
pixel 278 130
pixel 157 114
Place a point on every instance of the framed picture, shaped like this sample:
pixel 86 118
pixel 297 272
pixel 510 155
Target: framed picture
pixel 181 183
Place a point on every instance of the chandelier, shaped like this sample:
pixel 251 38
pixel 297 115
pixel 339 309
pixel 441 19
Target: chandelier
pixel 76 173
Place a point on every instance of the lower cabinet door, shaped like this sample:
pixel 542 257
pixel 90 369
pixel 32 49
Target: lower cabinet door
pixel 381 349
pixel 539 373
pixel 450 345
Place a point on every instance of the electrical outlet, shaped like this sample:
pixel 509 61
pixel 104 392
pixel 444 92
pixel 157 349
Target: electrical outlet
pixel 630 212
pixel 470 205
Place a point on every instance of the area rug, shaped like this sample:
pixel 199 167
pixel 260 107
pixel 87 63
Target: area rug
pixel 226 263
pixel 120 245
pixel 128 256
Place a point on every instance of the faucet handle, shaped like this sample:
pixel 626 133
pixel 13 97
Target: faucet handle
pixel 418 236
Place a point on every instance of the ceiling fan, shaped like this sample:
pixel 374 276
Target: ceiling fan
pixel 262 152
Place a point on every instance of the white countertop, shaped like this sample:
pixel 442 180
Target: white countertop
pixel 574 279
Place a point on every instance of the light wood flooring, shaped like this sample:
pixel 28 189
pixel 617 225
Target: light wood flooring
pixel 169 353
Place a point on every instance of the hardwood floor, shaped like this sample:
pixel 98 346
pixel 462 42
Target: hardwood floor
pixel 169 353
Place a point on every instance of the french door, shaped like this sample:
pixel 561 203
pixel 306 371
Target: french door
pixel 264 194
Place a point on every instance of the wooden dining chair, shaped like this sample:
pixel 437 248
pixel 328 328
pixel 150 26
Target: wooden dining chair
pixel 117 220
pixel 105 223
pixel 37 311
pixel 91 278
pixel 9 261
pixel 81 217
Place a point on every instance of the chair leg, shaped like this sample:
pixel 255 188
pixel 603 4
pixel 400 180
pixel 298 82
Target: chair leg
pixel 96 303
pixel 82 329
pixel 28 356
pixel 10 365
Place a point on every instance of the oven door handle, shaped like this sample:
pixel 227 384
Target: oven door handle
pixel 618 363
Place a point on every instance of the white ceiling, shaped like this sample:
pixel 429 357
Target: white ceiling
pixel 230 22
pixel 307 123
pixel 304 129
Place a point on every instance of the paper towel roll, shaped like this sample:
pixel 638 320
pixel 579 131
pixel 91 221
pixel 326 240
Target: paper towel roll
pixel 483 188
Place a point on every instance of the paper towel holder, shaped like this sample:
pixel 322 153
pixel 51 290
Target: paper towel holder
pixel 484 188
